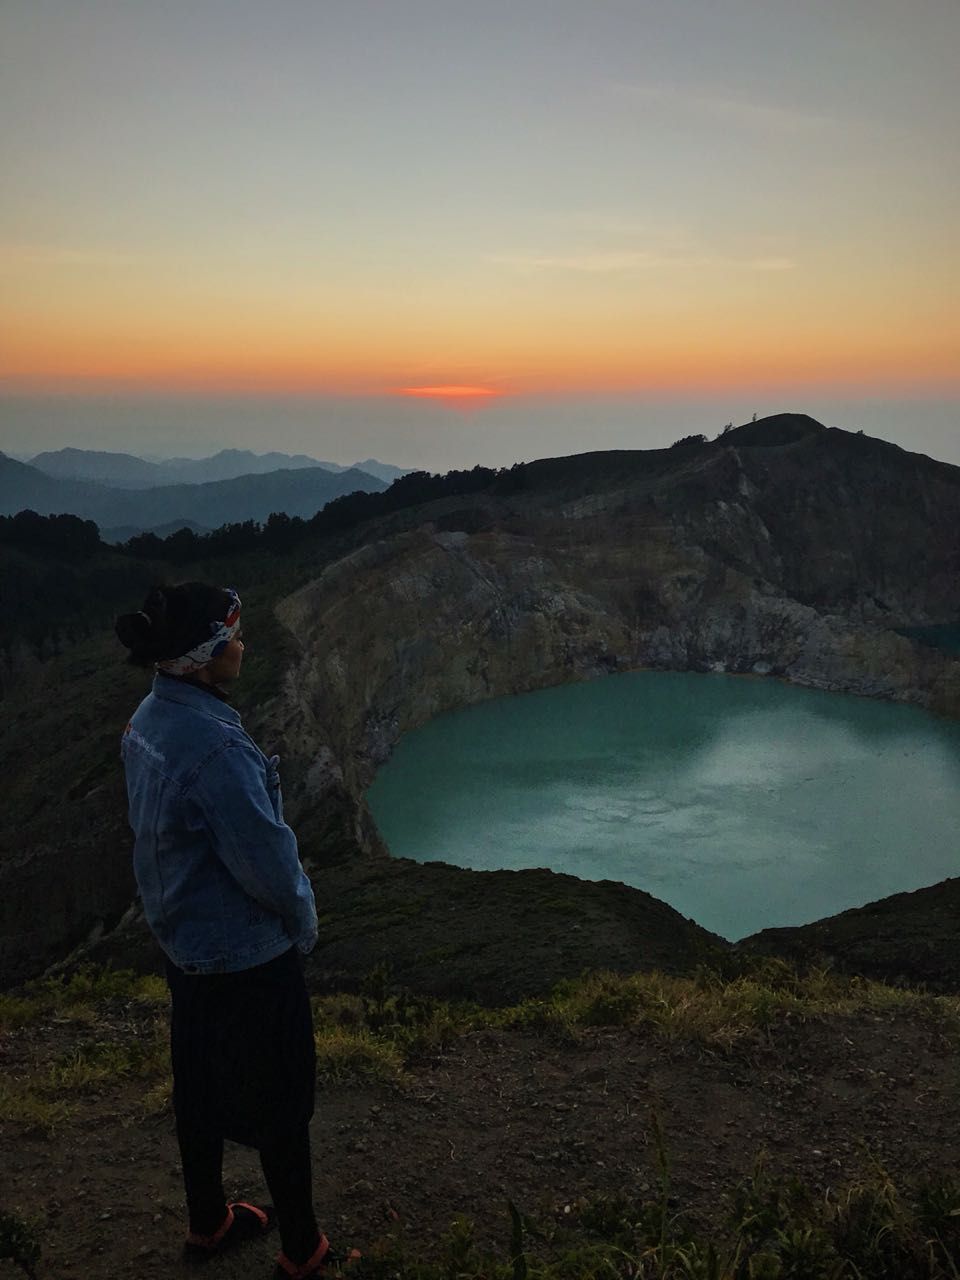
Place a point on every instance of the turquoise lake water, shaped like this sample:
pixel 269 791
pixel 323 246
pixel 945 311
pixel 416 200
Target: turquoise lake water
pixel 742 802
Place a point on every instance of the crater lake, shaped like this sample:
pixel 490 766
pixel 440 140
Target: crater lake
pixel 743 802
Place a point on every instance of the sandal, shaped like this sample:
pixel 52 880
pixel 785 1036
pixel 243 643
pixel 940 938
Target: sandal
pixel 324 1262
pixel 243 1222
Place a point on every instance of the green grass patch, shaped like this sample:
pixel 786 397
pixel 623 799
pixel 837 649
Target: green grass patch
pixel 346 1056
pixel 722 1013
pixel 123 1039
pixel 868 1229
pixel 92 1065
pixel 46 1099
pixel 158 1099
pixel 23 1106
pixel 413 1027
pixel 78 994
pixel 16 1011
pixel 380 1033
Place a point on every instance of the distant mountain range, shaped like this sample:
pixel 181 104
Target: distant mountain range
pixel 127 471
pixel 301 492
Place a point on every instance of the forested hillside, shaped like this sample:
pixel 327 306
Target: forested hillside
pixel 59 583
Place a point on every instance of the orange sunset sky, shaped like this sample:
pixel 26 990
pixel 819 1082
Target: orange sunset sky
pixel 426 206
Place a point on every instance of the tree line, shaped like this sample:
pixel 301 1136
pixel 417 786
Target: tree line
pixel 64 535
pixel 279 532
pixel 71 538
pixel 59 582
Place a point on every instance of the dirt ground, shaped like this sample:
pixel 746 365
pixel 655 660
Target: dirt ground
pixel 504 1115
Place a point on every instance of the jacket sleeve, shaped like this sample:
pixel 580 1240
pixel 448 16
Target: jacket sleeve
pixel 258 848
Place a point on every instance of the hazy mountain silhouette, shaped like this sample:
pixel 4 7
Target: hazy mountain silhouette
pixel 248 497
pixel 103 468
pixel 24 486
pixel 229 464
pixel 128 471
pixel 385 470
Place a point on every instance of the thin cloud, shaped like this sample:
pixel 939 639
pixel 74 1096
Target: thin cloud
pixel 598 262
pixel 39 255
pixel 760 117
pixel 614 226
pixel 770 264
pixel 612 263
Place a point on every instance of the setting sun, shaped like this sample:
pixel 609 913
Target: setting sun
pixel 449 392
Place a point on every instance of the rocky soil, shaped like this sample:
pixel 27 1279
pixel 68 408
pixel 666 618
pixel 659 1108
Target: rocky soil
pixel 504 1116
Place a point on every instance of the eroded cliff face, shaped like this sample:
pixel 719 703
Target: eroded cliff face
pixel 697 568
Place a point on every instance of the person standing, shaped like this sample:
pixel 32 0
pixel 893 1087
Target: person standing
pixel 233 911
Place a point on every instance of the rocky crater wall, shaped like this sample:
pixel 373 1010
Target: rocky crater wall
pixel 427 621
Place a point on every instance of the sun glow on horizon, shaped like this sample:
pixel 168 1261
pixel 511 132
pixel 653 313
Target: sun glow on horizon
pixel 460 396
pixel 452 391
pixel 612 358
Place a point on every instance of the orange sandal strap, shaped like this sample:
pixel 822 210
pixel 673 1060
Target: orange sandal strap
pixel 211 1242
pixel 304 1268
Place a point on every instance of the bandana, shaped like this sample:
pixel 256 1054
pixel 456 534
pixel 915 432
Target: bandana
pixel 201 654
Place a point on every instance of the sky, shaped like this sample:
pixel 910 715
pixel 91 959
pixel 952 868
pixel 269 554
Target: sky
pixel 443 232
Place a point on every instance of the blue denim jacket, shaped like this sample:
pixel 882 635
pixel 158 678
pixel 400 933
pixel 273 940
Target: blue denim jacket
pixel 216 865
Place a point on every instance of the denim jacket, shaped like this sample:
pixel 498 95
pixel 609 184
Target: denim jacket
pixel 216 865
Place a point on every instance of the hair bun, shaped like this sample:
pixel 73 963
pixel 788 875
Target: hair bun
pixel 134 629
pixel 172 620
pixel 155 605
pixel 144 632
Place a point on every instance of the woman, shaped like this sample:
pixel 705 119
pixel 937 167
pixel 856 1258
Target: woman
pixel 230 905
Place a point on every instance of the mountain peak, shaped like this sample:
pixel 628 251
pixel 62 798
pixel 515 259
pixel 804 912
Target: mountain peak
pixel 776 429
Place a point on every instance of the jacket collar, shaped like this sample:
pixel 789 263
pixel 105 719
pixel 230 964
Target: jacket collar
pixel 173 690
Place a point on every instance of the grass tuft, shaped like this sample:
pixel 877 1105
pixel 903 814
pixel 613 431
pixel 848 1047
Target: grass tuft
pixel 43 1099
pixel 774 1230
pixel 716 1012
pixel 78 995
pixel 355 1056
pixel 92 1064
pixel 32 1111
pixel 16 1012
pixel 158 1099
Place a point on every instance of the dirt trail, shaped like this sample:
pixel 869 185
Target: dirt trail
pixel 505 1115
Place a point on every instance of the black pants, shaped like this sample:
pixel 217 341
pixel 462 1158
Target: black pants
pixel 288 1175
pixel 244 1069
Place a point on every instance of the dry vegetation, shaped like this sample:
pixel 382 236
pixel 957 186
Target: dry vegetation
pixel 770 1228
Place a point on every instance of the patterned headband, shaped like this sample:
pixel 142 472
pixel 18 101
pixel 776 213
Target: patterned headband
pixel 201 654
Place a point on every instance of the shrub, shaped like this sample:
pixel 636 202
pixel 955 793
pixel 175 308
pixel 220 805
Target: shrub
pixel 19 1242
